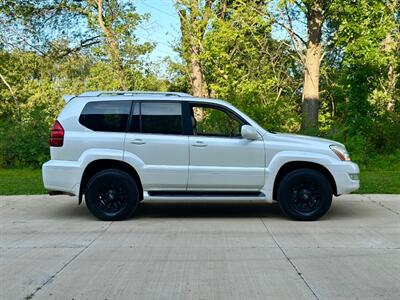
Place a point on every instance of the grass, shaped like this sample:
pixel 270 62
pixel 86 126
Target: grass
pixel 21 182
pixel 29 182
pixel 379 182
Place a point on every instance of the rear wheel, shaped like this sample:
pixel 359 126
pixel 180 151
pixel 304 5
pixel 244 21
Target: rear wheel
pixel 304 195
pixel 112 195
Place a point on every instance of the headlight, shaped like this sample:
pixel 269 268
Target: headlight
pixel 340 152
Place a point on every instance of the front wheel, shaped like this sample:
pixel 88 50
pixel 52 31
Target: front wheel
pixel 112 195
pixel 304 195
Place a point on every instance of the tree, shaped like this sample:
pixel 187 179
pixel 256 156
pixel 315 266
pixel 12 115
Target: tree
pixel 245 65
pixel 194 16
pixel 115 22
pixel 363 57
pixel 44 54
pixel 311 99
pixel 110 37
pixel 391 46
pixel 106 29
pixel 315 13
pixel 34 25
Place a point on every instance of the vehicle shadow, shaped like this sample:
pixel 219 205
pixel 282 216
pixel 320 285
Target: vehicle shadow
pixel 211 209
pixel 340 210
pixel 75 211
pixel 218 209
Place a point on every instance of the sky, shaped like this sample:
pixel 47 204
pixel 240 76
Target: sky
pixel 162 28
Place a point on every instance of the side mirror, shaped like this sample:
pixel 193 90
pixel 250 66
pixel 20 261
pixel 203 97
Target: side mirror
pixel 249 132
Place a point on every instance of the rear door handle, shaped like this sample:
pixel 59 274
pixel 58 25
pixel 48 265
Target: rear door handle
pixel 138 142
pixel 199 144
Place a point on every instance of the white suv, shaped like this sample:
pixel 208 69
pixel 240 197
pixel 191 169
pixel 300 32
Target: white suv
pixel 119 148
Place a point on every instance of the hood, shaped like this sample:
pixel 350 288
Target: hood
pixel 304 139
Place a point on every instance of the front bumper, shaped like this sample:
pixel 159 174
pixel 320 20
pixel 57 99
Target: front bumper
pixel 342 172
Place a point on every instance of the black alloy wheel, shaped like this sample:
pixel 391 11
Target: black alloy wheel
pixel 112 195
pixel 304 195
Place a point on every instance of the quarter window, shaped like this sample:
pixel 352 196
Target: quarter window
pixel 106 115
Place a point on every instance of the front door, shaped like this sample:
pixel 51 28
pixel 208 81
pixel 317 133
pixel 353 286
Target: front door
pixel 220 159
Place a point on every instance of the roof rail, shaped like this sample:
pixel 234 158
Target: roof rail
pixel 68 98
pixel 130 93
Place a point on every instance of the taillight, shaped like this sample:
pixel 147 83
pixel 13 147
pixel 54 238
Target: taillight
pixel 57 135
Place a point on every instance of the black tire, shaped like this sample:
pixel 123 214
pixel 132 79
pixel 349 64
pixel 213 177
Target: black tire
pixel 112 195
pixel 304 195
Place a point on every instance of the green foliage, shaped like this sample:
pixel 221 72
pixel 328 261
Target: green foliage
pixel 363 46
pixel 247 67
pixel 216 122
pixel 51 48
pixel 36 71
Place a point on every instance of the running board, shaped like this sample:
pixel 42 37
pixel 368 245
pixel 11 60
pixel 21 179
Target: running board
pixel 202 195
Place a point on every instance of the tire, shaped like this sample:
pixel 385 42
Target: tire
pixel 112 195
pixel 304 195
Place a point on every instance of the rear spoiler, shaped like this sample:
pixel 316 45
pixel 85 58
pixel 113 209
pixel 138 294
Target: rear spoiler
pixel 68 98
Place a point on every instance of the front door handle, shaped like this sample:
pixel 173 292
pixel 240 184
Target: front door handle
pixel 138 142
pixel 199 144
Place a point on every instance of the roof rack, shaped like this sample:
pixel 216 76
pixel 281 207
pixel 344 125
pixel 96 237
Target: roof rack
pixel 130 93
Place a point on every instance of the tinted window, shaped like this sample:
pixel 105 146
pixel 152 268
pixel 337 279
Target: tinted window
pixel 212 121
pixel 161 118
pixel 135 120
pixel 106 115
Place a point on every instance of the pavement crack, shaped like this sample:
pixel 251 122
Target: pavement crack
pixel 388 208
pixel 290 261
pixel 31 295
pixel 381 204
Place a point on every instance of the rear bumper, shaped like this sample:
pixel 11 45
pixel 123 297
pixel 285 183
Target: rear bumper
pixel 341 173
pixel 62 176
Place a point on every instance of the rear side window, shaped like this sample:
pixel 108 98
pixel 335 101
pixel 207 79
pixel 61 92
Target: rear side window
pixel 106 115
pixel 157 117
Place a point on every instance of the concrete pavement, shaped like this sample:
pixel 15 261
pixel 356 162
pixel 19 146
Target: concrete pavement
pixel 51 248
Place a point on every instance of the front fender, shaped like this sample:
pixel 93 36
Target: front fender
pixel 283 157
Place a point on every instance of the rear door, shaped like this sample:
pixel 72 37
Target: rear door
pixel 156 137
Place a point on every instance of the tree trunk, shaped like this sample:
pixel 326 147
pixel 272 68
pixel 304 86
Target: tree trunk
pixel 311 100
pixel 193 23
pixel 112 44
pixel 12 94
pixel 197 77
pixel 390 46
pixel 392 82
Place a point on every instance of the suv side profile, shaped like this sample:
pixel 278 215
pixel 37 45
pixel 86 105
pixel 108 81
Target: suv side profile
pixel 119 148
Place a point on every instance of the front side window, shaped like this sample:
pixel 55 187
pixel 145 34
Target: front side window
pixel 106 115
pixel 213 121
pixel 157 117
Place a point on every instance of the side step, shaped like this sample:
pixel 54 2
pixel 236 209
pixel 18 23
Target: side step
pixel 203 195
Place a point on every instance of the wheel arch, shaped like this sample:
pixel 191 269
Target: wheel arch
pixel 294 165
pixel 103 164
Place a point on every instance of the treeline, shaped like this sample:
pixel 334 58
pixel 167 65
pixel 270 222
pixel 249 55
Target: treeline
pixel 324 67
